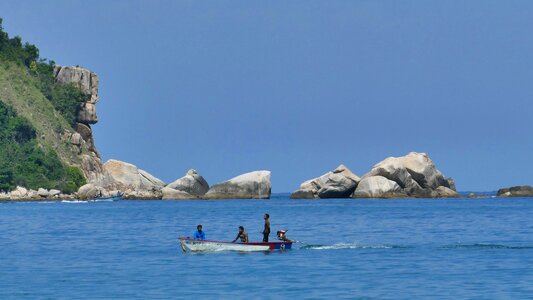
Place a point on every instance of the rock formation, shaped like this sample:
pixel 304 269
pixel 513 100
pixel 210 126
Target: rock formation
pixel 87 82
pixel 172 194
pixel 339 183
pixel 415 174
pixel 253 185
pixel 378 187
pixel 190 186
pixel 516 191
pixel 136 183
pixel 89 191
pixel 24 194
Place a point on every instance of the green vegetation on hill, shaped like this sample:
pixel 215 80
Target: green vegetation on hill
pixel 34 113
pixel 66 99
pixel 23 162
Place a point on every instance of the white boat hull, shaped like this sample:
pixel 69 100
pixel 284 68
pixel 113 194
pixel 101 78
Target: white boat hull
pixel 211 246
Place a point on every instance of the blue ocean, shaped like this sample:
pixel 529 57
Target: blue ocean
pixel 352 249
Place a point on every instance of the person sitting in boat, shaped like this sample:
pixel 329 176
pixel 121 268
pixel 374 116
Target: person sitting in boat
pixel 282 235
pixel 242 235
pixel 199 234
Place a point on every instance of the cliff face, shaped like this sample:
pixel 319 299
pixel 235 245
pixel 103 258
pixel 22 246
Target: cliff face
pixel 87 82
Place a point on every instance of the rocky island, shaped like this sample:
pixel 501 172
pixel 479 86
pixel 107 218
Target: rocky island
pixel 516 191
pixel 414 175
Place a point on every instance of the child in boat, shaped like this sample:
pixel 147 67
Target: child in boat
pixel 242 235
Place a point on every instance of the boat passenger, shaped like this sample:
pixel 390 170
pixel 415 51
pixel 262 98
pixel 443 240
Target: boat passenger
pixel 266 231
pixel 199 234
pixel 242 235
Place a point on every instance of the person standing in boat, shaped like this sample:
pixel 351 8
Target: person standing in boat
pixel 242 235
pixel 199 234
pixel 266 231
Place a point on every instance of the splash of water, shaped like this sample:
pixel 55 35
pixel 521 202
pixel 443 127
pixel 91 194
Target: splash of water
pixel 350 246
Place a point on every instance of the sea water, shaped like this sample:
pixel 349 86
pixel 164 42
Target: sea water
pixel 367 249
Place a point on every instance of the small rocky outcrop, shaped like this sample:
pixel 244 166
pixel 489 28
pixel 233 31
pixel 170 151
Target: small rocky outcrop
pixel 339 183
pixel 22 193
pixel 415 174
pixel 126 177
pixel 253 185
pixel 190 186
pixel 516 191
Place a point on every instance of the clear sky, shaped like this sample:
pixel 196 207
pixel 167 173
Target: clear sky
pixel 298 87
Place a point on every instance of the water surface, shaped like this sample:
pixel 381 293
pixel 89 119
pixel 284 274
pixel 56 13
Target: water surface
pixel 368 249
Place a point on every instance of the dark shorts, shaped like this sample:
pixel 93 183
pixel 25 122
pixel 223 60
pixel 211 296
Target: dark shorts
pixel 265 236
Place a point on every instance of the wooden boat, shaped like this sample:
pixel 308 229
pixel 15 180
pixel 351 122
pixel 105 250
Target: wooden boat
pixel 208 246
pixel 115 197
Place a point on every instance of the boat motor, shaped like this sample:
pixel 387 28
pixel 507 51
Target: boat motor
pixel 282 235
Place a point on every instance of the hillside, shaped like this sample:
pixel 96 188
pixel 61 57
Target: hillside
pixel 39 145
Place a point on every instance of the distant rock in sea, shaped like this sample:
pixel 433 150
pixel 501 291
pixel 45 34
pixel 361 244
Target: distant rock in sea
pixel 339 183
pixel 415 174
pixel 253 185
pixel 190 186
pixel 516 191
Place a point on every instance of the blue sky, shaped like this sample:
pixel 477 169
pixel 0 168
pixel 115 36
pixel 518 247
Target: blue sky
pixel 298 87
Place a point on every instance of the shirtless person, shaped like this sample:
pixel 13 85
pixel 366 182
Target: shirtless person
pixel 242 235
pixel 266 231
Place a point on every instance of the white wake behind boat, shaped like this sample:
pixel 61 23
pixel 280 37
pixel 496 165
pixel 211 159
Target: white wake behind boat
pixel 211 246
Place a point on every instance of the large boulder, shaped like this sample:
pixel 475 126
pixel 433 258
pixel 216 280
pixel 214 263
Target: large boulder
pixel 84 79
pixel 54 193
pixel 87 82
pixel 253 185
pixel 378 187
pixel 172 194
pixel 415 173
pixel 339 183
pixel 192 183
pixel 89 191
pixel 444 192
pixel 92 168
pixel 86 133
pixel 123 176
pixel 516 191
pixel 87 113
pixel 32 194
pixel 19 193
pixel 304 194
pixel 43 193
